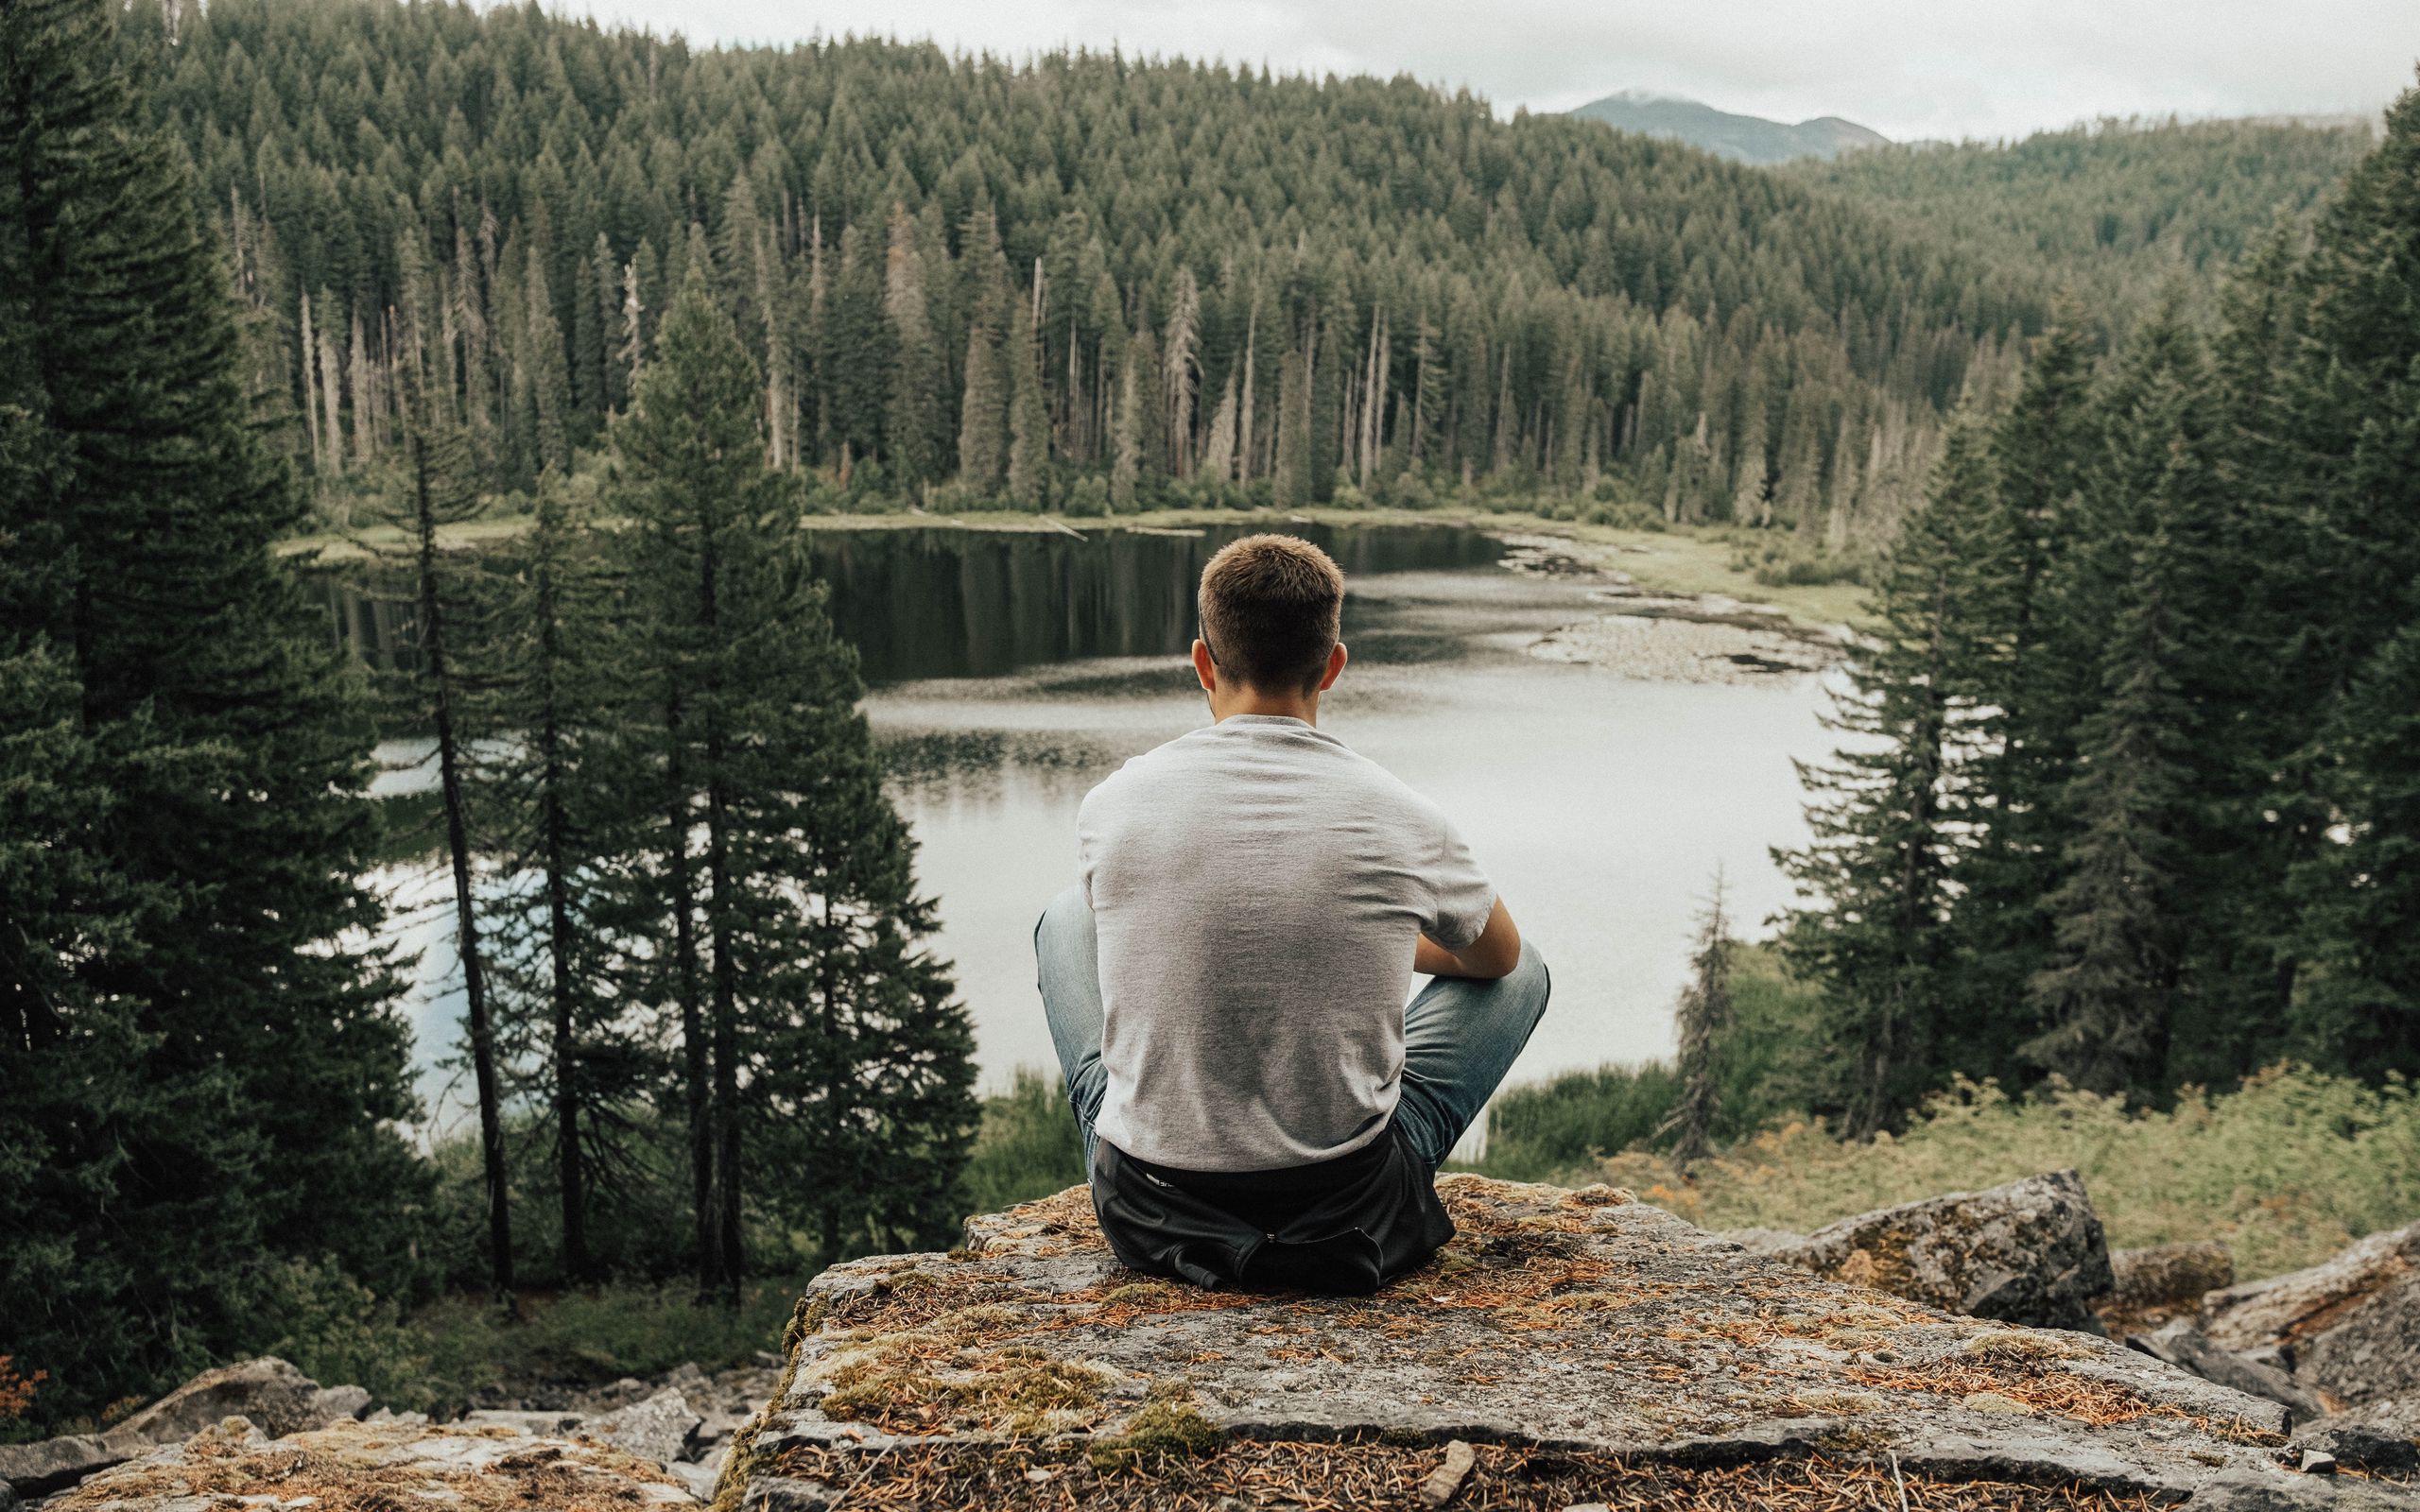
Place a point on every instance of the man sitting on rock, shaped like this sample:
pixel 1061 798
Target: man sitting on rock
pixel 1225 988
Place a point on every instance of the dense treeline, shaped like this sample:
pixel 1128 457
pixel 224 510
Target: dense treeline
pixel 202 1072
pixel 684 910
pixel 1086 281
pixel 2132 800
pixel 2118 211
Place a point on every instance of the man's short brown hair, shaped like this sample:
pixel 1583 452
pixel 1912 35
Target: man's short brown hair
pixel 1270 609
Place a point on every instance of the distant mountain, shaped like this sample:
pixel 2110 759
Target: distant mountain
pixel 1740 138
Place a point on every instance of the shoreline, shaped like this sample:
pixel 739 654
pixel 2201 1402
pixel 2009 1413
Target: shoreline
pixel 1683 564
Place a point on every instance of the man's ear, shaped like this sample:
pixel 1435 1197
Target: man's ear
pixel 1335 667
pixel 1204 668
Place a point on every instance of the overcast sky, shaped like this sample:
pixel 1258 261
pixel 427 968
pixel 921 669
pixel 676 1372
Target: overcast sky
pixel 1907 68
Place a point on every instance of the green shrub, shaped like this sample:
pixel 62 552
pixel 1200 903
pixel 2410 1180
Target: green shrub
pixel 1783 560
pixel 335 1332
pixel 1539 1130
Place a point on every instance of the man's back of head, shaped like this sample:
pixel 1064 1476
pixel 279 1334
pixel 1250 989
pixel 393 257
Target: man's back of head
pixel 1271 608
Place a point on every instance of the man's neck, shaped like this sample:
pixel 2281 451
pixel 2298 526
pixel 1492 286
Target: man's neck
pixel 1225 706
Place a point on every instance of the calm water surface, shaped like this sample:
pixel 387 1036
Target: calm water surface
pixel 1012 672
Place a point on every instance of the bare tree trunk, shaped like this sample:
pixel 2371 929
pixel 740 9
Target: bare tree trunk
pixel 555 820
pixel 457 844
pixel 693 1028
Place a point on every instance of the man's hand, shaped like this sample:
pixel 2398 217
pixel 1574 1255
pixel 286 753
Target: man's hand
pixel 1495 953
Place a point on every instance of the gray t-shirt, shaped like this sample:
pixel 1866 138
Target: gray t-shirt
pixel 1258 889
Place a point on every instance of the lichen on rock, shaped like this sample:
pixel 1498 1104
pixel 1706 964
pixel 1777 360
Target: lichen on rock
pixel 1580 1329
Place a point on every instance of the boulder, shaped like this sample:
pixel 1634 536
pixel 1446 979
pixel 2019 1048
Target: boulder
pixel 2029 1252
pixel 391 1465
pixel 2155 1284
pixel 2350 1326
pixel 2379 1436
pixel 656 1429
pixel 1585 1346
pixel 331 1404
pixel 40 1468
pixel 2188 1348
pixel 268 1393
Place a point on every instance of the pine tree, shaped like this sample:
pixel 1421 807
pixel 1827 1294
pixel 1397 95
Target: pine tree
pixel 438 492
pixel 2358 1008
pixel 1702 1019
pixel 2336 462
pixel 548 376
pixel 547 915
pixel 1028 421
pixel 809 927
pixel 1291 475
pixel 2153 577
pixel 856 359
pixel 911 426
pixel 983 407
pixel 1126 441
pixel 1890 814
pixel 190 1031
pixel 2031 685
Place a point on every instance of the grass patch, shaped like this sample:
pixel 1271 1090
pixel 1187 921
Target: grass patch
pixel 1026 1147
pixel 1766 1069
pixel 2286 1169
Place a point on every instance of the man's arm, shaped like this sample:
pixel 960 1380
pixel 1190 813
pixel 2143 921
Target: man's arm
pixel 1495 953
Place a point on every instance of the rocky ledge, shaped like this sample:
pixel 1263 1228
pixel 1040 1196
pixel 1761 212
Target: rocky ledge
pixel 377 1467
pixel 1568 1348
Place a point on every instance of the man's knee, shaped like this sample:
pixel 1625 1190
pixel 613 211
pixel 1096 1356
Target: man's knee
pixel 1065 912
pixel 1531 979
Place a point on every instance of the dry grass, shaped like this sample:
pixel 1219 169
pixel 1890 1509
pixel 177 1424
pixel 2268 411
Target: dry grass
pixel 342 1476
pixel 2287 1170
pixel 1377 1477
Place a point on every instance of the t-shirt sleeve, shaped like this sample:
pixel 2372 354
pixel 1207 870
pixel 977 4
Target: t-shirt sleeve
pixel 1460 896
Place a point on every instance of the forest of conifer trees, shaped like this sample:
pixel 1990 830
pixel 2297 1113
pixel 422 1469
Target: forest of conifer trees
pixel 1084 283
pixel 2127 794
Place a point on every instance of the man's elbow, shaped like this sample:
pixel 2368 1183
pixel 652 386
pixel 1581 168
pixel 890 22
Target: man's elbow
pixel 1496 953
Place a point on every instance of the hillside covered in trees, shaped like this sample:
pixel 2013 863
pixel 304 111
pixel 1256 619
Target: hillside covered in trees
pixel 2116 211
pixel 1087 282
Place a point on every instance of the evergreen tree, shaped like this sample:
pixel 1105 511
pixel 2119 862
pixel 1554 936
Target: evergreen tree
pixel 856 359
pixel 547 916
pixel 1891 812
pixel 809 934
pixel 983 408
pixel 2358 1007
pixel 912 421
pixel 1702 1019
pixel 549 378
pixel 438 492
pixel 204 1065
pixel 1028 422
pixel 2029 685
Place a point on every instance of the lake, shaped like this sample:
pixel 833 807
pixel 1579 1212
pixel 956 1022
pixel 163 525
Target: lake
pixel 1012 671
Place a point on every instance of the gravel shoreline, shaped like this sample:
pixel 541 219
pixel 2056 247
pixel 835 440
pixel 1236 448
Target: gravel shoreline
pixel 1702 638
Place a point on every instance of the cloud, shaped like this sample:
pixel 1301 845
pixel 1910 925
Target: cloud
pixel 1908 68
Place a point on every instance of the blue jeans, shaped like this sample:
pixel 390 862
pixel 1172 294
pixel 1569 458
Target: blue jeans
pixel 1461 1034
